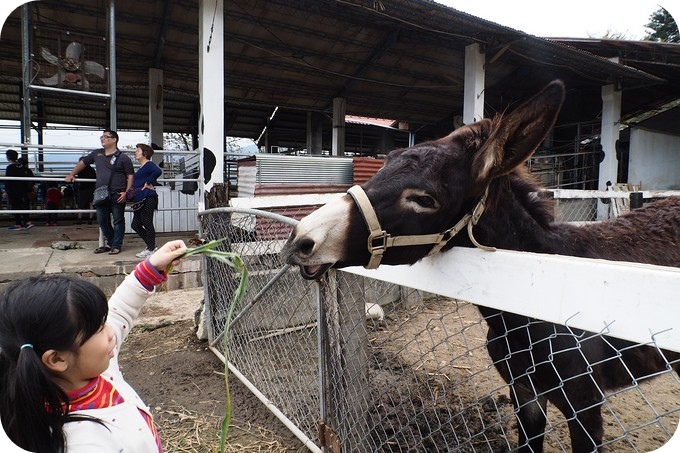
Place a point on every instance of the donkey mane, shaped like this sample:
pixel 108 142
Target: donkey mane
pixel 514 205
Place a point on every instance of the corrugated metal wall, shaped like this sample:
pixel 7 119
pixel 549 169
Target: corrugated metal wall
pixel 365 167
pixel 268 174
pixel 273 169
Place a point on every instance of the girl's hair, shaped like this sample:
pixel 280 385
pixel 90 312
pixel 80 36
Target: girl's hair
pixel 147 151
pixel 38 314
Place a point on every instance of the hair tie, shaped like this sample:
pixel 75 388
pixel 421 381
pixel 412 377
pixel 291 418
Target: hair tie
pixel 26 345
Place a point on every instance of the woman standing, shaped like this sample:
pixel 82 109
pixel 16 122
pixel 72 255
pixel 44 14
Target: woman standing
pixel 144 192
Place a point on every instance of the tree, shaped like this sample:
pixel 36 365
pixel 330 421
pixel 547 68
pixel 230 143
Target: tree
pixel 614 35
pixel 663 27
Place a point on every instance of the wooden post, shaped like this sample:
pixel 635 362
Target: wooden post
pixel 346 394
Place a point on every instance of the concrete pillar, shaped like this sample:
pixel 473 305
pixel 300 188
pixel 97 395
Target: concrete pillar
pixel 339 109
pixel 473 96
pixel 156 111
pixel 314 133
pixel 611 116
pixel 211 89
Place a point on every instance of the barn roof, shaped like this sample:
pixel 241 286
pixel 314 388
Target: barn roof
pixel 400 60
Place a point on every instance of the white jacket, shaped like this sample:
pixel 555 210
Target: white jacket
pixel 124 430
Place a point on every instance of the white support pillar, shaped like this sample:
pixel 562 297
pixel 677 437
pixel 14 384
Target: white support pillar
pixel 473 97
pixel 611 116
pixel 113 98
pixel 211 88
pixel 339 110
pixel 156 111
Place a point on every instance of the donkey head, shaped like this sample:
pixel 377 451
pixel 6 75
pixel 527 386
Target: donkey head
pixel 421 192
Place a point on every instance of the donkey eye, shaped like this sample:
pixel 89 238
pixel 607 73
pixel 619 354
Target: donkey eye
pixel 425 201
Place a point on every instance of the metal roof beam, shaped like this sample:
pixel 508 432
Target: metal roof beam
pixel 375 55
pixel 160 43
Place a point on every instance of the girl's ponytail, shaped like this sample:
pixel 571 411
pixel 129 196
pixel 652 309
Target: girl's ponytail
pixel 37 403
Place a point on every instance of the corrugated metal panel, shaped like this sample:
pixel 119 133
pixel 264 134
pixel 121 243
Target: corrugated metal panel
pixel 292 189
pixel 365 167
pixel 285 175
pixel 247 175
pixel 273 169
pixel 269 230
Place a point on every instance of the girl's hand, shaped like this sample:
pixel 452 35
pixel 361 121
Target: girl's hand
pixel 168 255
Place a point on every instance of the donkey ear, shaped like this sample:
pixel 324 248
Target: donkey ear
pixel 515 137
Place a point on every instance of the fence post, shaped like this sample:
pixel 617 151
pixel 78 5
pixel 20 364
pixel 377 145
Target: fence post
pixel 346 393
pixel 636 200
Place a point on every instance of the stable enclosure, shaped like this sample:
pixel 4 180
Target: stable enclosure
pixel 369 361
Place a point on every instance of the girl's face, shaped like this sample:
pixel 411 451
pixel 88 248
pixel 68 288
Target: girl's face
pixel 138 154
pixel 93 357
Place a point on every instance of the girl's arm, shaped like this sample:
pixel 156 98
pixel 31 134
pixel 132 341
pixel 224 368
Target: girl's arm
pixel 128 299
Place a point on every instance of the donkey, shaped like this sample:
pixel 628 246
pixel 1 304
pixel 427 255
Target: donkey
pixel 475 178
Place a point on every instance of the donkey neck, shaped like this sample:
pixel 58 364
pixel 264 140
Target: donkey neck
pixel 517 219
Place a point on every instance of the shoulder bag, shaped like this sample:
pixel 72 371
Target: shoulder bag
pixel 101 193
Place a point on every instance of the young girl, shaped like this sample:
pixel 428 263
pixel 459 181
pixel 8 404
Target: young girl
pixel 60 386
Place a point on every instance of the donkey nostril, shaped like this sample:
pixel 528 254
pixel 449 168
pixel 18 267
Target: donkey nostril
pixel 306 246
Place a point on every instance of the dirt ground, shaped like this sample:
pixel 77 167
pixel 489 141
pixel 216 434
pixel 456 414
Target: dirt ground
pixel 183 382
pixel 443 342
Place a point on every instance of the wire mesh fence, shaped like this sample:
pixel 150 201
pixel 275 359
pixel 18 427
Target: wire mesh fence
pixel 416 374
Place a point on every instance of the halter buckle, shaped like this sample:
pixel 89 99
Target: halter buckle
pixel 377 242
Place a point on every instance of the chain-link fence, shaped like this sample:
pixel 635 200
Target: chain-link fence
pixel 359 365
pixel 593 205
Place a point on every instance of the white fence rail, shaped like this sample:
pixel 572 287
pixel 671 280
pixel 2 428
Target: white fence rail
pixel 631 301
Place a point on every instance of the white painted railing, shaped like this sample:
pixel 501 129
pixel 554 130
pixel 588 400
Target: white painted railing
pixel 176 212
pixel 636 302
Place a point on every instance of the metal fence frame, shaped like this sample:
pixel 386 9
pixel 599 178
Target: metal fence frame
pixel 340 315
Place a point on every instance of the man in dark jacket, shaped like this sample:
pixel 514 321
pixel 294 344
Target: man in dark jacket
pixel 17 191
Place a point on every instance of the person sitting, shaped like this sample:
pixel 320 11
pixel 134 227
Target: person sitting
pixel 53 200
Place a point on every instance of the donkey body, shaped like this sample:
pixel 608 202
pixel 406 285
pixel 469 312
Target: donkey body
pixel 424 190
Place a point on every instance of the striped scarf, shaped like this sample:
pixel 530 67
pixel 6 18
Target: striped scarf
pixel 98 394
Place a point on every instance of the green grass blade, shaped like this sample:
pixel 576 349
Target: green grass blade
pixel 235 262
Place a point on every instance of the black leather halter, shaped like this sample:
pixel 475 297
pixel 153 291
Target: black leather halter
pixel 379 240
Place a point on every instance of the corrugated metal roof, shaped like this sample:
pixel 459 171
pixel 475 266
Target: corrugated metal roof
pixel 403 60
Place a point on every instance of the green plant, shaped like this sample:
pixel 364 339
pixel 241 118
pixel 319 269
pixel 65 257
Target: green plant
pixel 235 262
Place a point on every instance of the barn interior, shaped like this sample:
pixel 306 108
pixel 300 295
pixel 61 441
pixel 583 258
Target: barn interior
pixel 285 62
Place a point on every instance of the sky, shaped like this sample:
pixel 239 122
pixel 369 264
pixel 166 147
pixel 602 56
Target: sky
pixel 569 18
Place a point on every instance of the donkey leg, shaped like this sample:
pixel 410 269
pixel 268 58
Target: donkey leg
pixel 583 414
pixel 531 418
pixel 586 431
